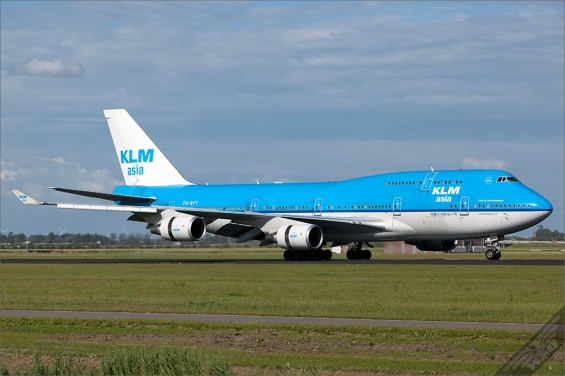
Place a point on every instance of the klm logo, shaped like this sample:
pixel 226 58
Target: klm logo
pixel 450 191
pixel 127 156
pixel 142 156
pixel 445 194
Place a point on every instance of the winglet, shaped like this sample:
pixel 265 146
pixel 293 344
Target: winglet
pixel 26 199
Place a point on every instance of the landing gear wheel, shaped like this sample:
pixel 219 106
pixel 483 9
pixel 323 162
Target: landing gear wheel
pixel 490 254
pixel 288 255
pixel 319 255
pixel 497 255
pixel 351 254
pixel 296 255
pixel 327 254
pixel 366 254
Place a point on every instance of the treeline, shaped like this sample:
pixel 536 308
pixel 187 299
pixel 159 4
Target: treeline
pixel 121 240
pixel 548 235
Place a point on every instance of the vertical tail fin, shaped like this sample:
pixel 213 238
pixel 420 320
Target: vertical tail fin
pixel 141 160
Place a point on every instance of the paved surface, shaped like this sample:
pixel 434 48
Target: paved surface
pixel 444 261
pixel 273 319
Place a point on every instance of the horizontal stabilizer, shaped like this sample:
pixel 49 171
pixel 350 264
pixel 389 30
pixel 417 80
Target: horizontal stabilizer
pixel 108 196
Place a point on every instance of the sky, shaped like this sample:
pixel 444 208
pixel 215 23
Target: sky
pixel 234 92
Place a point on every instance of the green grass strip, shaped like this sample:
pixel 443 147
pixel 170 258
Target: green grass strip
pixel 403 292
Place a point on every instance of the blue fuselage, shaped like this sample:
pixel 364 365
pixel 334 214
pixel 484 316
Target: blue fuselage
pixel 475 195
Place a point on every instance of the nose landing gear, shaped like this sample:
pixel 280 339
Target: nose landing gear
pixel 493 251
pixel 493 254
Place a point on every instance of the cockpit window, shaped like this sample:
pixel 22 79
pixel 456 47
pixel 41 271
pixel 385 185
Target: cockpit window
pixel 507 178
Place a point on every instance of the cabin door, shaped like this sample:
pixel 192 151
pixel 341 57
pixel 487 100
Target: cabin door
pixel 465 206
pixel 428 181
pixel 255 205
pixel 318 207
pixel 397 206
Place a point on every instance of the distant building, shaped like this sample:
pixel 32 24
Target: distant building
pixel 536 229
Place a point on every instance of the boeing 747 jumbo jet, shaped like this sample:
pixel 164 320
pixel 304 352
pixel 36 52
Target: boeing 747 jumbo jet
pixel 428 209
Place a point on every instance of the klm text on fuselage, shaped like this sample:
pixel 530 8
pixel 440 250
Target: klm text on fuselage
pixel 142 156
pixel 445 195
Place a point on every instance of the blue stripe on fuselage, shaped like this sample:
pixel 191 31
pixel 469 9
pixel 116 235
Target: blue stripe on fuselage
pixel 448 191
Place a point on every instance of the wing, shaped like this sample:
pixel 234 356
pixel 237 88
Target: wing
pixel 108 196
pixel 237 224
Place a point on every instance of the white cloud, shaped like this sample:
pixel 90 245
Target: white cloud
pixel 33 173
pixel 483 163
pixel 55 68
pixel 7 172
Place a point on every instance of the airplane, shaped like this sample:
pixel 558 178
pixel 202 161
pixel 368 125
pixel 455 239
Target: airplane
pixel 428 209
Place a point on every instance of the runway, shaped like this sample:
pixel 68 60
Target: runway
pixel 445 261
pixel 274 320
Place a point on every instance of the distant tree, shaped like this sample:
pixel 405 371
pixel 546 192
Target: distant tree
pixel 122 238
pixel 66 238
pixel 49 238
pixel 76 239
pixel 99 238
pixel 112 239
pixel 133 240
pixel 86 238
pixel 20 238
pixel 35 238
pixel 548 235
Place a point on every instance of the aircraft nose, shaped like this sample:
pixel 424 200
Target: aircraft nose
pixel 543 207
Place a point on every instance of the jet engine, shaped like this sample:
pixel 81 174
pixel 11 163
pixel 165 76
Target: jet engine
pixel 300 237
pixel 434 245
pixel 184 228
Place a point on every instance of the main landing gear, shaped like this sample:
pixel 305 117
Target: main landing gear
pixel 316 255
pixel 493 251
pixel 358 253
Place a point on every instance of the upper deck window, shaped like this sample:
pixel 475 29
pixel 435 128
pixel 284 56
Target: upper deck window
pixel 502 179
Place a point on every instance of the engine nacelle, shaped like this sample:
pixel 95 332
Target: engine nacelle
pixel 300 237
pixel 184 228
pixel 434 245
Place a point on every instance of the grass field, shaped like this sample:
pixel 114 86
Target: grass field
pixel 413 292
pixel 275 349
pixel 419 292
